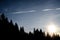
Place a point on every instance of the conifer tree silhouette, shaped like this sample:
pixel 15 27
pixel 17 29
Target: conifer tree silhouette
pixel 8 29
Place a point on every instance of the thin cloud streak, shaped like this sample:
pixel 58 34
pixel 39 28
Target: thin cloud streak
pixel 51 9
pixel 19 12
pixel 47 9
pixel 57 8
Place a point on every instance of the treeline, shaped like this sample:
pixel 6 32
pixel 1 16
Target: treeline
pixel 8 30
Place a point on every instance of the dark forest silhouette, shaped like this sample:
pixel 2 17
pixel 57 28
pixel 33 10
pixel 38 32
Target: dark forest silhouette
pixel 10 30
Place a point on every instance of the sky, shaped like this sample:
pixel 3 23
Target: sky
pixel 32 13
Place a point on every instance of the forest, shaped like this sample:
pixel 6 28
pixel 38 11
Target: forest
pixel 8 30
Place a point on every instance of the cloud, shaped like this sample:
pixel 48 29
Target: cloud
pixel 47 9
pixel 57 8
pixel 51 9
pixel 19 12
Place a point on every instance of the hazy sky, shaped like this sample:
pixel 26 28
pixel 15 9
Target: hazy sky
pixel 32 13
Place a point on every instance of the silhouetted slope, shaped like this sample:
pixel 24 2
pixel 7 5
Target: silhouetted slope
pixel 10 30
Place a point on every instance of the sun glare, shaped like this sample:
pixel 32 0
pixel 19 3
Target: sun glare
pixel 51 29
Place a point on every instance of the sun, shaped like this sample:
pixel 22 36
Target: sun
pixel 51 29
